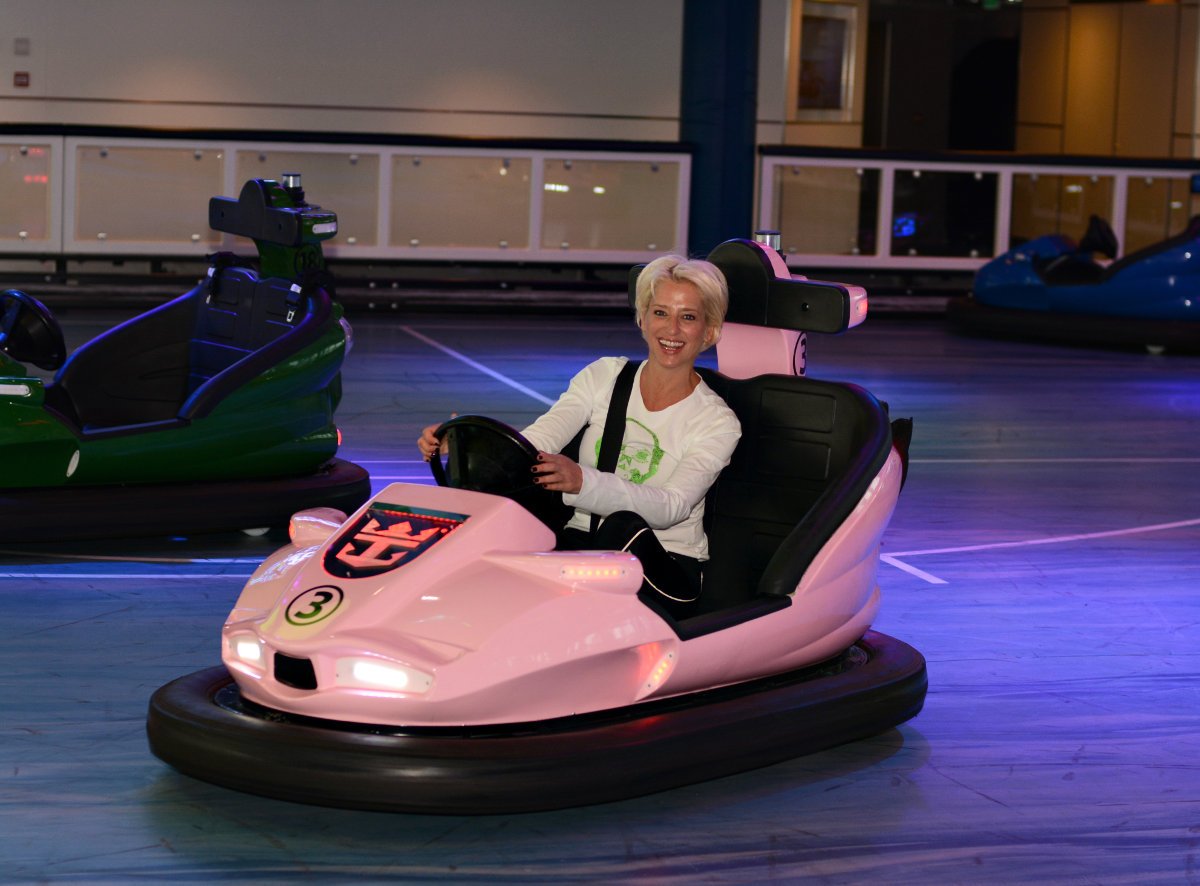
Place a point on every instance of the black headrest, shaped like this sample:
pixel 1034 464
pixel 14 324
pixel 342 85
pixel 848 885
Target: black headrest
pixel 1099 237
pixel 254 214
pixel 757 297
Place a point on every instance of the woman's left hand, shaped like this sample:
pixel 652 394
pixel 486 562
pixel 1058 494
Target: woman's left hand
pixel 557 473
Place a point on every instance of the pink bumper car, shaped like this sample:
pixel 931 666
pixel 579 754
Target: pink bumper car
pixel 434 653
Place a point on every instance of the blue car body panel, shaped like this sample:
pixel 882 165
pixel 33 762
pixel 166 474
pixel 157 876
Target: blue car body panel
pixel 1163 285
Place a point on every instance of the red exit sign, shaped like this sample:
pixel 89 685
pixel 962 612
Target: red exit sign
pixel 21 79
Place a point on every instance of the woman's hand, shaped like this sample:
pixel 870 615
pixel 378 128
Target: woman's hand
pixel 557 473
pixel 428 443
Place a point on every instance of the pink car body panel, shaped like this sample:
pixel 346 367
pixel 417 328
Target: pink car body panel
pixel 499 628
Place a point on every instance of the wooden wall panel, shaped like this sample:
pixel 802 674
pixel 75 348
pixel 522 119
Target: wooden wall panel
pixel 1145 102
pixel 1042 67
pixel 1185 90
pixel 1092 65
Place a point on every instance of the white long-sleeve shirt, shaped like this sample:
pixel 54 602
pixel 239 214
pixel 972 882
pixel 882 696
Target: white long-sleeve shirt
pixel 668 458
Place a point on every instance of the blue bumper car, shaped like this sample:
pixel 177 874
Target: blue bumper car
pixel 1056 289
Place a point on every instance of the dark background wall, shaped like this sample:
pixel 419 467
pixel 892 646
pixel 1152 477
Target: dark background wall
pixel 941 76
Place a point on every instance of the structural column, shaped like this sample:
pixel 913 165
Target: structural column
pixel 717 117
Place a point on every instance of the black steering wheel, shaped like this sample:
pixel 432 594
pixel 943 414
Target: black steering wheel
pixel 485 455
pixel 28 331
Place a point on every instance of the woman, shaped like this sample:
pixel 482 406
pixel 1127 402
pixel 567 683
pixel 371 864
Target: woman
pixel 678 436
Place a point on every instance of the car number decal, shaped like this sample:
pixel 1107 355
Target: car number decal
pixel 314 605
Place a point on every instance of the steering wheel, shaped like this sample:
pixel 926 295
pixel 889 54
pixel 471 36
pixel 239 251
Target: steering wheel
pixel 485 455
pixel 28 331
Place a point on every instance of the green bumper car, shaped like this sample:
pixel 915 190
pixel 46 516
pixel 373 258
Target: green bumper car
pixel 214 411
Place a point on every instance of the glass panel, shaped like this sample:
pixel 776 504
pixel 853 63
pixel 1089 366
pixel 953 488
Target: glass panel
pixel 1035 201
pixel 460 201
pixel 346 183
pixel 1157 208
pixel 826 210
pixel 1082 197
pixel 950 214
pixel 1183 205
pixel 627 205
pixel 25 192
pixel 150 195
pixel 1058 204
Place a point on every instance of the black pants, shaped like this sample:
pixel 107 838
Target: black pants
pixel 672 579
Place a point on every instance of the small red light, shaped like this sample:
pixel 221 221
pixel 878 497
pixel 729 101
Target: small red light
pixel 339 436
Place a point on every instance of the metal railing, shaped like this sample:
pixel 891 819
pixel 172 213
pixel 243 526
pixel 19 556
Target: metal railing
pixel 84 196
pixel 862 209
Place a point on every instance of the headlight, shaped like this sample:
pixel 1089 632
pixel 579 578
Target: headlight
pixel 245 652
pixel 376 673
pixel 248 650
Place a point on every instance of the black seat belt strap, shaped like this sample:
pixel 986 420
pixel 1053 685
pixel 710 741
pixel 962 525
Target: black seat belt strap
pixel 614 424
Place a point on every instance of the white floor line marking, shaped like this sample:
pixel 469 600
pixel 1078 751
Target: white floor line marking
pixel 912 570
pixel 1053 540
pixel 893 559
pixel 516 386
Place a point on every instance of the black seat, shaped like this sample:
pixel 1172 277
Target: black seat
pixel 808 452
pixel 1189 234
pixel 1078 268
pixel 241 315
pixel 177 362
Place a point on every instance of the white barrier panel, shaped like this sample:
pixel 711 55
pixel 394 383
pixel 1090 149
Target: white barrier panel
pixel 955 214
pixel 95 196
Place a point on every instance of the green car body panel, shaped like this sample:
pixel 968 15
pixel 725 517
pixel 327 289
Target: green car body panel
pixel 277 423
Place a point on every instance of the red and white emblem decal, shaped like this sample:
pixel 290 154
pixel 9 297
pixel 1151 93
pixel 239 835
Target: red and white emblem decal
pixel 385 537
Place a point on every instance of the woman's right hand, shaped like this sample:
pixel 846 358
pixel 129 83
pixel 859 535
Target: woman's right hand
pixel 428 442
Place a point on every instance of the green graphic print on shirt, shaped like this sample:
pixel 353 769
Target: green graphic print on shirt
pixel 637 463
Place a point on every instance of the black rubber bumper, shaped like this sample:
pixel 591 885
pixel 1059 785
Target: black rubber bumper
pixel 972 317
pixel 200 725
pixel 78 512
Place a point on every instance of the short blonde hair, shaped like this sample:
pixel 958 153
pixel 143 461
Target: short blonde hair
pixel 704 275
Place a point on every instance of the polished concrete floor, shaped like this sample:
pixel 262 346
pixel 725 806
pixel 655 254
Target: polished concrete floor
pixel 1045 557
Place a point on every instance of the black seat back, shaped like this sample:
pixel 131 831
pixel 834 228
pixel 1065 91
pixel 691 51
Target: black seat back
pixel 240 315
pixel 809 450
pixel 178 361
pixel 244 326
pixel 1189 234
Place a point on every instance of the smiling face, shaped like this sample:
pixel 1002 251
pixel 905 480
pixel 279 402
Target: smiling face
pixel 673 325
